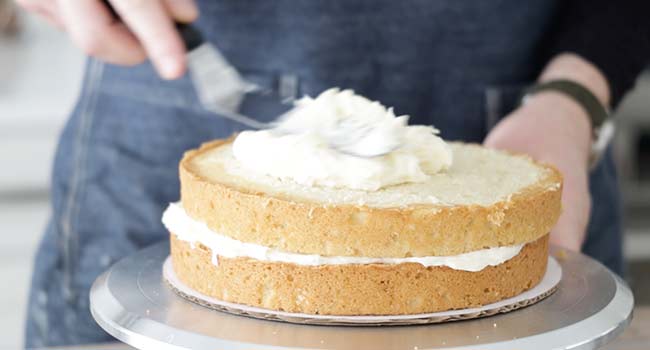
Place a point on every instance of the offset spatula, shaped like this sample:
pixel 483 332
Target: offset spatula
pixel 219 86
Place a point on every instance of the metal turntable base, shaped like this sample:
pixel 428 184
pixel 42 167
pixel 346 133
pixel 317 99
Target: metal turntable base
pixel 132 302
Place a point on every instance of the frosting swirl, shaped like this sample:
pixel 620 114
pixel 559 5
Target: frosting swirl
pixel 343 140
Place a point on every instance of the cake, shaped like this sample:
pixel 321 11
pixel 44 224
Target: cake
pixel 469 227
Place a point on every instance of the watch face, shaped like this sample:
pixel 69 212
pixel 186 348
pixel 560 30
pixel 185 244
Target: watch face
pixel 603 136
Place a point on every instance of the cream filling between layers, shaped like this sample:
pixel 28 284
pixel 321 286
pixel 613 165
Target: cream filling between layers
pixel 192 231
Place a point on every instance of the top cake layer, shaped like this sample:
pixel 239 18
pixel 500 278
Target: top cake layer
pixel 478 176
pixel 486 199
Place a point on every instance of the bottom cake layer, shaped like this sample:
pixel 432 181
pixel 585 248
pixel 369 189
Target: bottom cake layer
pixel 373 289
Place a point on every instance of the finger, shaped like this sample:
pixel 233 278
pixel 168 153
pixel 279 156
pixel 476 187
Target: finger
pixel 99 34
pixel 31 5
pixel 566 239
pixel 48 10
pixel 50 16
pixel 565 236
pixel 184 11
pixel 155 29
pixel 571 227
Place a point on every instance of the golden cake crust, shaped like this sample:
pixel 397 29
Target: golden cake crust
pixel 301 226
pixel 372 289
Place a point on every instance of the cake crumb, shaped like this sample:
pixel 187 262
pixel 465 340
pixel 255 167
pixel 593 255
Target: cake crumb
pixel 496 218
pixel 494 325
pixel 554 187
pixel 300 298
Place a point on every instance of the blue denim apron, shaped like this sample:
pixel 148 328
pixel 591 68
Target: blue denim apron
pixel 458 65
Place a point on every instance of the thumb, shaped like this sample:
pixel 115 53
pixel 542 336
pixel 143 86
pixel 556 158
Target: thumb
pixel 571 228
pixel 184 11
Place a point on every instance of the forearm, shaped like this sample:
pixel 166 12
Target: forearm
pixel 574 119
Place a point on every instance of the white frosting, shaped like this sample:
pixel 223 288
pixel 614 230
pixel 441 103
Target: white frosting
pixel 331 141
pixel 192 231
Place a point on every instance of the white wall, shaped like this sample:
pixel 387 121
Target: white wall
pixel 40 75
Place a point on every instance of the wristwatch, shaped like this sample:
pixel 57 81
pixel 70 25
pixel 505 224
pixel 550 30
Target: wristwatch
pixel 601 121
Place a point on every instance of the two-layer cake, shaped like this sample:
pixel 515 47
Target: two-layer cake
pixel 293 219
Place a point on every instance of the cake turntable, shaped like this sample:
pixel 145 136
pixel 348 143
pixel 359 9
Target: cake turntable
pixel 133 302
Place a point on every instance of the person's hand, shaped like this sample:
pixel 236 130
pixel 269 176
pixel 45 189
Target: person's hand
pixel 552 128
pixel 147 29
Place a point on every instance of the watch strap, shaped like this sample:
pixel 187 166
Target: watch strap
pixel 585 98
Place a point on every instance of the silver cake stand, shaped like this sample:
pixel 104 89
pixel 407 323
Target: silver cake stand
pixel 132 302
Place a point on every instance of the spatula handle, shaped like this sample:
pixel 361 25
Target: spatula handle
pixel 191 37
